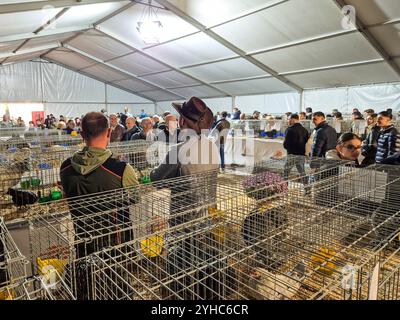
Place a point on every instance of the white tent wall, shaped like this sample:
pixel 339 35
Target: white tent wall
pixel 163 106
pixel 72 109
pixel 326 100
pixel 271 103
pixel 134 109
pixel 378 97
pixel 215 104
pixel 63 85
pixel 63 91
pixel 219 104
pixel 21 82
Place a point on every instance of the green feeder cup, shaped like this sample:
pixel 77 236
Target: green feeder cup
pixel 44 199
pixel 145 180
pixel 35 182
pixel 56 195
pixel 25 184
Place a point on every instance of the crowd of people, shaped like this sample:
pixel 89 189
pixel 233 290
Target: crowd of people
pixel 380 142
pixel 93 169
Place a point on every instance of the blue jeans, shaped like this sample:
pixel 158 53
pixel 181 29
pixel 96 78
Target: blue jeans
pixel 222 155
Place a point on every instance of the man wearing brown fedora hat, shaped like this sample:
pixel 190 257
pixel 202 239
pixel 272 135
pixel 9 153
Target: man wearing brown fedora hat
pixel 195 154
pixel 195 160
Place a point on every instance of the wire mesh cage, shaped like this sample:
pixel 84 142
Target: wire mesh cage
pixel 38 141
pixel 12 262
pixel 85 225
pixel 281 247
pixel 22 131
pixel 254 236
pixel 73 230
pixel 27 178
pixel 47 287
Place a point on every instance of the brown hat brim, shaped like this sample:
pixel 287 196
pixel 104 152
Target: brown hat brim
pixel 177 106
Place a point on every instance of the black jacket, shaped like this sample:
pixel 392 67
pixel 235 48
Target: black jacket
pixel 392 160
pixel 296 137
pixel 324 140
pixel 370 145
pixel 87 173
pixel 129 133
pixel 388 144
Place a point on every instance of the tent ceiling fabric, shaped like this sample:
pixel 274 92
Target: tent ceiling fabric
pixel 377 11
pixel 190 50
pixel 226 70
pixel 355 75
pixel 125 23
pixel 255 86
pixel 139 64
pixel 99 45
pixel 290 21
pixel 170 79
pixel 135 85
pixel 66 56
pixel 209 48
pixel 318 54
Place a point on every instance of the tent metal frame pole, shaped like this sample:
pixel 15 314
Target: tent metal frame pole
pixel 114 13
pixel 7 55
pixel 106 98
pixel 248 13
pixel 363 29
pixel 125 73
pixel 44 33
pixel 227 44
pixel 170 67
pixel 98 79
pixel 339 66
pixel 39 5
pixel 42 27
pixel 302 101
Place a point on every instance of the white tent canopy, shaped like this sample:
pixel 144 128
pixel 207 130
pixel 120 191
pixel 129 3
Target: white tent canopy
pixel 209 48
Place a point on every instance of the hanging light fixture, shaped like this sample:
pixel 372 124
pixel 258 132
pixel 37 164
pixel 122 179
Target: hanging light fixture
pixel 149 26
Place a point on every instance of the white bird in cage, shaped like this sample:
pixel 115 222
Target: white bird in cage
pixel 271 286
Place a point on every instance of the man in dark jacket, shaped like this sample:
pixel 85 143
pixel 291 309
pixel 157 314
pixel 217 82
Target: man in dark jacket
pixel 117 130
pixel 147 131
pixel 124 116
pixel 132 128
pixel 236 114
pixel 388 139
pixel 220 130
pixel 371 142
pixel 296 137
pixel 325 136
pixel 309 113
pixel 88 172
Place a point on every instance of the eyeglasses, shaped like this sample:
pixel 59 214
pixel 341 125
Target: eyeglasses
pixel 350 147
